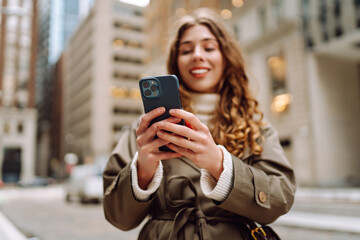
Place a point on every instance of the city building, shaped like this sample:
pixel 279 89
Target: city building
pixel 102 65
pixel 271 36
pixel 303 61
pixel 17 77
pixel 57 20
pixel 332 38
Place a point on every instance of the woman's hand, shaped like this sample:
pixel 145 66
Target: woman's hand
pixel 196 144
pixel 148 147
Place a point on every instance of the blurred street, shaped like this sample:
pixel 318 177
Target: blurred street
pixel 69 86
pixel 43 214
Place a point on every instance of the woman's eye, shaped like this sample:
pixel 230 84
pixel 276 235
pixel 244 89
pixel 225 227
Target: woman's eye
pixel 184 52
pixel 209 49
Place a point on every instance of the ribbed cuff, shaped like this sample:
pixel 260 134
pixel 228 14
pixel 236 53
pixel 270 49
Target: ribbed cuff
pixel 218 190
pixel 140 194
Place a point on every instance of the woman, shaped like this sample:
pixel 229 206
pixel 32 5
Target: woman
pixel 226 166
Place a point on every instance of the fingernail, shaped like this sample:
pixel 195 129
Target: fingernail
pixel 172 111
pixel 161 124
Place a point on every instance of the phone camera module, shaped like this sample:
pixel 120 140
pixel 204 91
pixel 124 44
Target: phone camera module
pixel 147 93
pixel 154 88
pixel 146 84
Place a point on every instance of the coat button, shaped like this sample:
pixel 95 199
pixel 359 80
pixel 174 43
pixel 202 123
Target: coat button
pixel 262 196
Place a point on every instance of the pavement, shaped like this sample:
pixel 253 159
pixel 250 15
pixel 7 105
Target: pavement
pixel 341 220
pixel 8 231
pixel 296 218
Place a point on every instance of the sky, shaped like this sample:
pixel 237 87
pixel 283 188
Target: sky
pixel 141 3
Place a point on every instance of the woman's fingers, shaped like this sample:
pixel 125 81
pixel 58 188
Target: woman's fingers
pixel 149 134
pixel 177 129
pixel 146 119
pixel 181 151
pixel 169 155
pixel 188 117
pixel 178 140
pixel 152 151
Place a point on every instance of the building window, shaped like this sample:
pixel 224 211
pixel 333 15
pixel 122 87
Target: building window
pixel 306 24
pixel 118 58
pixel 117 128
pixel 337 14
pixel 278 10
pixel 262 18
pixel 118 44
pixel 125 76
pixel 277 71
pixel 20 128
pixel 126 26
pixel 323 20
pixel 277 68
pixel 357 12
pixel 237 31
pixel 122 110
pixel 6 128
pixel 124 92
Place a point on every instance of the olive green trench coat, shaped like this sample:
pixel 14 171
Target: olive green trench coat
pixel 263 189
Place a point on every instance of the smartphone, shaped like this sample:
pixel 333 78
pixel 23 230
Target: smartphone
pixel 160 91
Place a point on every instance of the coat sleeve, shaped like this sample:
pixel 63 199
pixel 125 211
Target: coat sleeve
pixel 121 209
pixel 264 189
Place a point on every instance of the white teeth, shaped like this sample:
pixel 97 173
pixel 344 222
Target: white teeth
pixel 199 71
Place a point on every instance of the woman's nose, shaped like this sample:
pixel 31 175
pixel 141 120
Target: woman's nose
pixel 198 54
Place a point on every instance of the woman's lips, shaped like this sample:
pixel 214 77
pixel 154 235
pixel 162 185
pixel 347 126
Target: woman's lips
pixel 199 72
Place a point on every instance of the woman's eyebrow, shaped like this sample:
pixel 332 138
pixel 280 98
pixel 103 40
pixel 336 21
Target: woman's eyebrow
pixel 202 40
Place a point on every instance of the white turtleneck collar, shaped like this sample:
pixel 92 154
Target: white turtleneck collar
pixel 204 105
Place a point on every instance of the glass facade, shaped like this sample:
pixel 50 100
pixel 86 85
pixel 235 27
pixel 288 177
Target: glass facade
pixel 57 21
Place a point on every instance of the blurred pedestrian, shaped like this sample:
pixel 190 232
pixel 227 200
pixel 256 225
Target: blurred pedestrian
pixel 227 167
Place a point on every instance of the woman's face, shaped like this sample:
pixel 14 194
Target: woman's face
pixel 200 60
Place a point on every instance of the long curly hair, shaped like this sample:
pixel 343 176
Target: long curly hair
pixel 237 120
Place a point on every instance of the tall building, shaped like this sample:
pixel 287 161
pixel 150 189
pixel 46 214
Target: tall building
pixel 57 20
pixel 332 40
pixel 304 67
pixel 271 36
pixel 102 64
pixel 305 58
pixel 17 115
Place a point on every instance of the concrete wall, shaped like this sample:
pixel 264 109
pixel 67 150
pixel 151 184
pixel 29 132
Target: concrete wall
pixel 293 124
pixel 335 110
pixel 101 82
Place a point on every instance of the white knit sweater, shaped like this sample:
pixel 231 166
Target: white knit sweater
pixel 204 106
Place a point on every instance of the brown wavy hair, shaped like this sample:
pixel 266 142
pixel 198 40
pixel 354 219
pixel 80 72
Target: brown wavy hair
pixel 233 124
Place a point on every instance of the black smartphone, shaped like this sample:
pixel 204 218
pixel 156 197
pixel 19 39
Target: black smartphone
pixel 160 91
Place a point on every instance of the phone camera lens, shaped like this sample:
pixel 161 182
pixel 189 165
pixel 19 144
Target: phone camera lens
pixel 153 88
pixel 146 84
pixel 147 93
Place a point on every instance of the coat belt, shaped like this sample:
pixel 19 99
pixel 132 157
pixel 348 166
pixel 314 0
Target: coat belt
pixel 190 211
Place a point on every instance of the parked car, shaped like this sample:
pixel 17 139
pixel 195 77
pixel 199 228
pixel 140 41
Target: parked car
pixel 85 184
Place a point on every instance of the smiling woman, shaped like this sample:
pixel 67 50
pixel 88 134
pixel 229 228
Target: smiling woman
pixel 225 172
